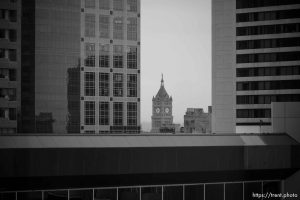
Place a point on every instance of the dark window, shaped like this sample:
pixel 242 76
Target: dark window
pixel 273 188
pixel 12 15
pixel 29 195
pixel 269 15
pixel 131 85
pixel 89 113
pixel 89 60
pixel 268 43
pixel 104 113
pixel 12 54
pixel 118 85
pixel 104 56
pixel 2 53
pixel 268 85
pixel 132 57
pixel 118 56
pixel 89 84
pixel 2 33
pixel 253 113
pixel 263 3
pixel 103 84
pixel 131 113
pixel 234 191
pixel 118 114
pixel 12 34
pixel 268 71
pixel 58 195
pixel 268 57
pixel 268 29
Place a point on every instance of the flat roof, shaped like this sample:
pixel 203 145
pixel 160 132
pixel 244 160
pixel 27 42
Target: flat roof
pixel 141 140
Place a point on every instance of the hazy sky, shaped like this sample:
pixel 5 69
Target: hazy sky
pixel 176 41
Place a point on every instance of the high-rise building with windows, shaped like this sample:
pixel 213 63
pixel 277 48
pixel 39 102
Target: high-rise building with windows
pixel 255 61
pixel 79 66
pixel 9 65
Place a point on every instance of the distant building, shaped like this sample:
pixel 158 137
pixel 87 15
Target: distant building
pixel 197 121
pixel 162 118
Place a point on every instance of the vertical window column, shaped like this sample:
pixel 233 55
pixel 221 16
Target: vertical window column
pixel 118 56
pixel 103 113
pixel 104 26
pixel 132 57
pixel 90 25
pixel 118 85
pixel 132 29
pixel 89 60
pixel 132 5
pixel 89 84
pixel 104 56
pixel 118 114
pixel 89 113
pixel 131 113
pixel 131 85
pixel 103 84
pixel 118 5
pixel 118 28
pixel 104 4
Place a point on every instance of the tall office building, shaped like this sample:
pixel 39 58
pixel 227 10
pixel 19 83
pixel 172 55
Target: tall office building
pixel 255 61
pixel 80 66
pixel 9 65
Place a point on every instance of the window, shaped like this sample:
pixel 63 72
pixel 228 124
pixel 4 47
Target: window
pixel 268 71
pixel 132 57
pixel 89 25
pixel 12 54
pixel 12 114
pixel 2 53
pixel 104 4
pixel 12 35
pixel 263 3
pixel 118 28
pixel 90 3
pixel 268 57
pixel 89 113
pixel 118 56
pixel 118 114
pixel 104 26
pixel 8 94
pixel 103 113
pixel 118 5
pixel 131 113
pixel 2 34
pixel 132 5
pixel 12 15
pixel 131 85
pixel 253 113
pixel 104 55
pixel 89 55
pixel 2 13
pixel 89 84
pixel 103 84
pixel 132 29
pixel 118 85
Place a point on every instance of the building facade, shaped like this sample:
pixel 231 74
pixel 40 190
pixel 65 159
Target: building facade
pixel 10 41
pixel 197 121
pixel 80 69
pixel 255 61
pixel 162 118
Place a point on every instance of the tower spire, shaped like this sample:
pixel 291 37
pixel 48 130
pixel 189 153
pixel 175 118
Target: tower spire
pixel 162 80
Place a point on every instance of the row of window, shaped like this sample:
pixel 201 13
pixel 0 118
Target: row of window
pixel 104 80
pixel 105 27
pixel 8 94
pixel 268 29
pixel 4 130
pixel 10 15
pixel 10 54
pixel 104 56
pixel 231 191
pixel 268 71
pixel 268 43
pixel 253 113
pixel 263 3
pixel 118 5
pixel 268 85
pixel 268 15
pixel 268 57
pixel 89 113
pixel 10 34
pixel 267 99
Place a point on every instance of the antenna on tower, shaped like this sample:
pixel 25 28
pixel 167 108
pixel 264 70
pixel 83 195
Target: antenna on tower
pixel 162 79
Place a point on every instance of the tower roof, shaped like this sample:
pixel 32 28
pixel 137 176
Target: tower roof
pixel 162 93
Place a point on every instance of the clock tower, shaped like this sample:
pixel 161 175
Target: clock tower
pixel 161 109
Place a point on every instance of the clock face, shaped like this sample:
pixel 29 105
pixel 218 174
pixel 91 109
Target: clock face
pixel 157 110
pixel 167 110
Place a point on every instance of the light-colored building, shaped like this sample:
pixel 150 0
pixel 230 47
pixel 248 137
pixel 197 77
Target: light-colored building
pixel 162 111
pixel 197 121
pixel 10 57
pixel 255 61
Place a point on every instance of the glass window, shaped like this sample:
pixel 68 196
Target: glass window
pixel 104 26
pixel 118 5
pixel 118 85
pixel 131 85
pixel 81 195
pixel 89 84
pixel 2 33
pixel 251 190
pixel 90 25
pixel 132 29
pixel 12 54
pixel 173 192
pixel 132 57
pixel 104 113
pixel 214 191
pixel 103 84
pixel 104 4
pixel 118 28
pixel 56 195
pixel 12 15
pixel 2 53
pixel 132 5
pixel 118 115
pixel 105 194
pixel 118 56
pixel 12 35
pixel 153 193
pixel 194 192
pixel 89 60
pixel 234 191
pixel 90 3
pixel 131 113
pixel 89 113
pixel 104 60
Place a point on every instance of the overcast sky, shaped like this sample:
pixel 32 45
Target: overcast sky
pixel 176 41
